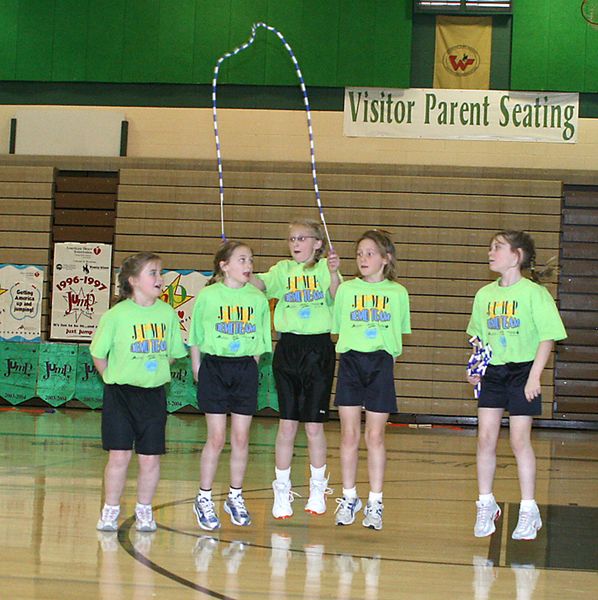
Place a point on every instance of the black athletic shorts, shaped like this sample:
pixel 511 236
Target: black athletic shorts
pixel 227 385
pixel 134 417
pixel 503 387
pixel 366 379
pixel 303 368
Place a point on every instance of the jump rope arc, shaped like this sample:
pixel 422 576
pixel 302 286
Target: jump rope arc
pixel 230 54
pixel 478 362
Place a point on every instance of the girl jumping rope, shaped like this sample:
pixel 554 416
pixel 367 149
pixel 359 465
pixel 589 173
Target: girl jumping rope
pixel 371 314
pixel 230 328
pixel 304 359
pixel 519 320
pixel 132 349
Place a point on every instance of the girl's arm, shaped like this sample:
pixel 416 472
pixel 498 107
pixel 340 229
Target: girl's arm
pixel 100 364
pixel 333 265
pixel 258 283
pixel 195 360
pixel 532 387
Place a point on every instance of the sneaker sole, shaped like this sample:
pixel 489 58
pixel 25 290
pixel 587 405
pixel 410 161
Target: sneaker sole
pixel 233 520
pixel 146 529
pixel 527 539
pixel 315 513
pixel 283 517
pixel 108 528
pixel 372 527
pixel 204 527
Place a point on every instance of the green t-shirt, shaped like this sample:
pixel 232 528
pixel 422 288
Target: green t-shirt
pixel 139 342
pixel 231 321
pixel 514 320
pixel 371 316
pixel 304 302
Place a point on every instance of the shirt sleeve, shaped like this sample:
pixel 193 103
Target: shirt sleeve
pixel 546 317
pixel 271 281
pixel 265 325
pixel 336 309
pixel 196 332
pixel 176 344
pixel 406 313
pixel 100 344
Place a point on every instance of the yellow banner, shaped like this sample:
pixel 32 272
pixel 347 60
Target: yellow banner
pixel 463 51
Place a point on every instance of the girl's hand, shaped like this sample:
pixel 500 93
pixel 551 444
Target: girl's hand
pixel 473 379
pixel 333 261
pixel 532 388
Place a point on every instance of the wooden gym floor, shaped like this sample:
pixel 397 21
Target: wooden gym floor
pixel 50 491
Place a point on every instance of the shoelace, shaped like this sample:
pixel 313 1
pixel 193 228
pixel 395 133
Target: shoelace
pixel 322 486
pixel 344 504
pixel 208 508
pixel 525 520
pixel 144 513
pixel 239 503
pixel 375 508
pixel 110 514
pixel 486 512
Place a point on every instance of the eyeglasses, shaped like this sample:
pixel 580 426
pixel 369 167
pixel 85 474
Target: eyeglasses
pixel 301 238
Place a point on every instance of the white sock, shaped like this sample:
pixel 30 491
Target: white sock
pixel 318 472
pixel 283 475
pixel 233 491
pixel 486 498
pixel 115 506
pixel 207 494
pixel 375 497
pixel 528 505
pixel 140 505
pixel 350 493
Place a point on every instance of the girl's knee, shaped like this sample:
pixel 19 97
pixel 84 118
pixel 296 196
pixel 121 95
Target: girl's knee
pixel 216 441
pixel 374 438
pixel 314 430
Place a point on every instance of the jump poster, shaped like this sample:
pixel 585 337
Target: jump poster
pixel 80 289
pixel 21 288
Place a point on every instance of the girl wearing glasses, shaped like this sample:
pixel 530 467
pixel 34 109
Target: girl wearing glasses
pixel 304 359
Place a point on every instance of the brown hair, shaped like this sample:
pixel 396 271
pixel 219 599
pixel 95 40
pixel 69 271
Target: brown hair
pixel 384 244
pixel 223 254
pixel 524 243
pixel 317 230
pixel 131 267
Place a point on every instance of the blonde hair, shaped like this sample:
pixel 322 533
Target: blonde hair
pixel 523 241
pixel 317 230
pixel 387 249
pixel 223 254
pixel 132 267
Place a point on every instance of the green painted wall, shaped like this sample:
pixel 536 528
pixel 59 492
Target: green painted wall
pixel 337 42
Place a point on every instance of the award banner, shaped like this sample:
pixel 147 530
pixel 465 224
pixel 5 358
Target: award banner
pixel 18 371
pixel 180 289
pixel 80 289
pixel 181 389
pixel 89 387
pixel 56 373
pixel 21 290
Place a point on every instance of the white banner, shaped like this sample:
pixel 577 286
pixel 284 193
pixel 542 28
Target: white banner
pixel 180 289
pixel 21 290
pixel 80 289
pixel 461 114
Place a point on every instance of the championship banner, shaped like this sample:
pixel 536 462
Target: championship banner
pixel 463 52
pixel 180 289
pixel 21 289
pixel 80 289
pixel 181 389
pixel 57 368
pixel 18 371
pixel 89 388
pixel 462 114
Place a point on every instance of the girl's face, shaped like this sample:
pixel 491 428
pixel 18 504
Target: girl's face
pixel 239 267
pixel 501 257
pixel 303 243
pixel 370 261
pixel 147 286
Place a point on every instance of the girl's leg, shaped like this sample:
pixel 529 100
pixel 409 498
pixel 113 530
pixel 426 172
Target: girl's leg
pixel 285 443
pixel 375 426
pixel 211 450
pixel 148 477
pixel 350 434
pixel 316 444
pixel 520 434
pixel 115 475
pixel 239 442
pixel 488 431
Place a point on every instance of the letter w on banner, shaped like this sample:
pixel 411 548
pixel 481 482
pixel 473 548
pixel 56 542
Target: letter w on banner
pixel 463 53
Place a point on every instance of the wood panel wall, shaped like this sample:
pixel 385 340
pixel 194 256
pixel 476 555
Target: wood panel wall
pixel 26 201
pixel 441 226
pixel 576 372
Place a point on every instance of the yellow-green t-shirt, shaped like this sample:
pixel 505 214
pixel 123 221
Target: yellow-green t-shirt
pixel 304 302
pixel 513 320
pixel 371 316
pixel 139 342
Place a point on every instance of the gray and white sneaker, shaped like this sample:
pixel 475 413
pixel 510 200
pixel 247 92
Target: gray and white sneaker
pixel 528 525
pixel 346 509
pixel 373 515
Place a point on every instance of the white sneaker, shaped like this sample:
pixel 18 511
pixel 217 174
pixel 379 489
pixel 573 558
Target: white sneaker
pixel 486 515
pixel 108 520
pixel 373 515
pixel 346 509
pixel 318 490
pixel 528 525
pixel 283 496
pixel 144 518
